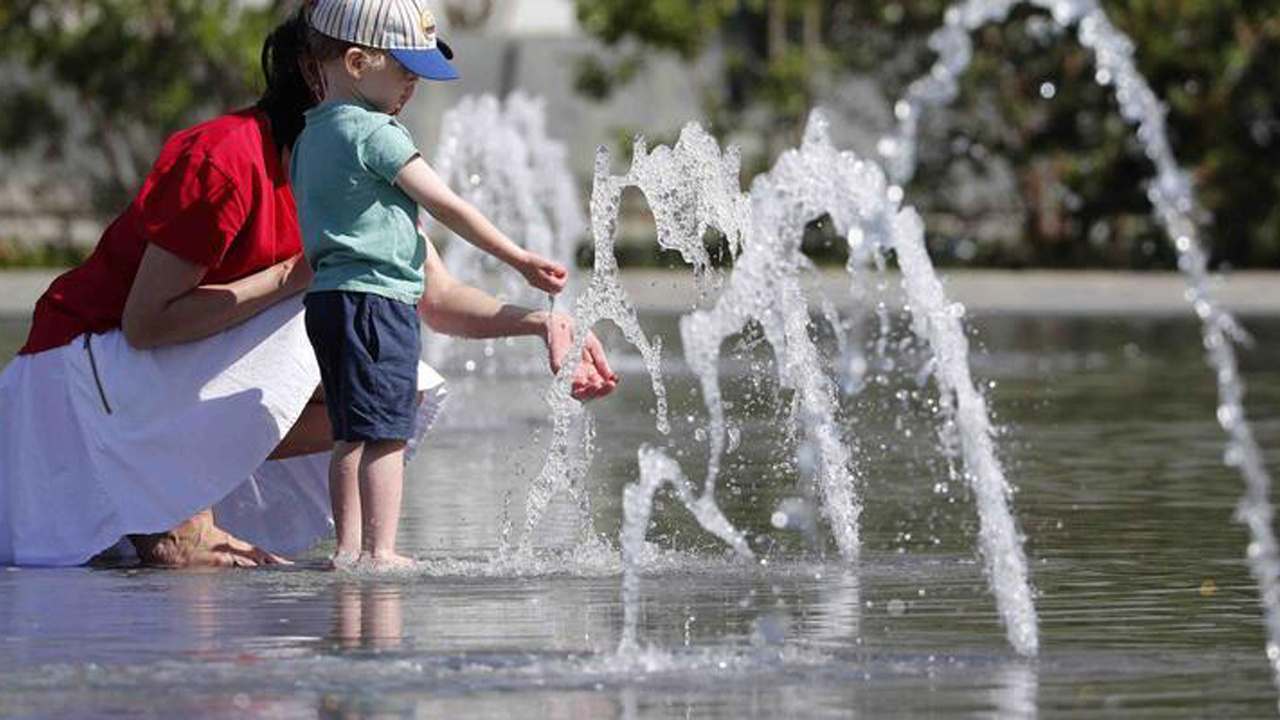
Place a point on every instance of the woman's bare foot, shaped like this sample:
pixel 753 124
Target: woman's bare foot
pixel 391 562
pixel 198 542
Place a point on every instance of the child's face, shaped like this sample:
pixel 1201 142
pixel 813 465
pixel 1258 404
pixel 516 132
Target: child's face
pixel 388 85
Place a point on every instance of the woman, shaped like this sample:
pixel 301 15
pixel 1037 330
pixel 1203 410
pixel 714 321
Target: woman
pixel 171 371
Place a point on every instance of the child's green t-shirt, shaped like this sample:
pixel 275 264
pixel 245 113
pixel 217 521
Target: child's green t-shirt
pixel 359 229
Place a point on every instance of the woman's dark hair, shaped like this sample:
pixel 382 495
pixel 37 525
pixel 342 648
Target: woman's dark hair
pixel 288 94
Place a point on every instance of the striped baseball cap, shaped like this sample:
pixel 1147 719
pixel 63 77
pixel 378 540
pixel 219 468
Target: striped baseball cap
pixel 404 28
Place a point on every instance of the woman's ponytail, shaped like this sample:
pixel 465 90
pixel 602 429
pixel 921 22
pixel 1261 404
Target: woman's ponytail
pixel 288 94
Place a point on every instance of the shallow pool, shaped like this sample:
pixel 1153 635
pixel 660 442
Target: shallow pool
pixel 1145 605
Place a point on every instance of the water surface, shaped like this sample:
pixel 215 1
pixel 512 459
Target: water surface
pixel 1145 604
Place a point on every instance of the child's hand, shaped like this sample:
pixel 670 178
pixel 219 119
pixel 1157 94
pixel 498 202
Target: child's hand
pixel 592 377
pixel 546 275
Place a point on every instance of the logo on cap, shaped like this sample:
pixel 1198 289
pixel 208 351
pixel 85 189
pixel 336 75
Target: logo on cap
pixel 428 23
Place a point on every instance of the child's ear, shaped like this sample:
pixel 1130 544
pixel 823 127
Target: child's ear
pixel 356 61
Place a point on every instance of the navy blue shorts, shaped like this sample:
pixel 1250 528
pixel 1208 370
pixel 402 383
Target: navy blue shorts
pixel 367 347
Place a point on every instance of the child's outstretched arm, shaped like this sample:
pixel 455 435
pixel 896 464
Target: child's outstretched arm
pixel 426 188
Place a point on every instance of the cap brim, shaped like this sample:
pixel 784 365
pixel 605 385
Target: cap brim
pixel 430 64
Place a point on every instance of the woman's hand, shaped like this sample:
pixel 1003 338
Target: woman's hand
pixel 592 378
pixel 546 275
pixel 297 274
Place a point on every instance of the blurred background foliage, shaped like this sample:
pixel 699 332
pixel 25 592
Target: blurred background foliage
pixel 1028 101
pixel 106 80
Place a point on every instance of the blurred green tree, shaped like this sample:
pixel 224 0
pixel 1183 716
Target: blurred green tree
pixel 1029 99
pixel 97 84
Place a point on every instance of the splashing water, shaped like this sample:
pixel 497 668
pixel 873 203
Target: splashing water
pixel 693 187
pixel 656 470
pixel 499 158
pixel 565 467
pixel 1173 198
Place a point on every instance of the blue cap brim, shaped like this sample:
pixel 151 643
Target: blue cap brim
pixel 430 64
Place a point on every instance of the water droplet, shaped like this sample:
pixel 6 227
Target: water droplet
pixel 1048 90
pixel 1233 457
pixel 856 238
pixel 1228 414
pixel 896 607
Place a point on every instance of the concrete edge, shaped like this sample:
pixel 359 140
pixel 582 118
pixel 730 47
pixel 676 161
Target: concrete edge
pixel 994 292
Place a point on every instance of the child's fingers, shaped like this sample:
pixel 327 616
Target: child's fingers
pixel 550 282
pixel 580 376
pixel 551 266
pixel 587 389
pixel 594 353
pixel 553 270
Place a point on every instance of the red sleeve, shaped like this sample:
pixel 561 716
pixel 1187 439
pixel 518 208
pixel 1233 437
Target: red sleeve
pixel 192 210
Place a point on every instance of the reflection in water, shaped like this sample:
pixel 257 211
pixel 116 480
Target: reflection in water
pixel 836 616
pixel 1014 695
pixel 369 616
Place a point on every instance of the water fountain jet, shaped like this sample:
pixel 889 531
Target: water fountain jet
pixel 1172 196
pixel 692 187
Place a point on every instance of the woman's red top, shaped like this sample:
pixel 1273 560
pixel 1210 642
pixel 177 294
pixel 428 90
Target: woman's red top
pixel 218 196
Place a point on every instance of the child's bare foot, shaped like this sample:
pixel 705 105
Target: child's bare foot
pixel 389 562
pixel 344 559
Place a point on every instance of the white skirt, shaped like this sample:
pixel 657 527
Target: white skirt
pixel 99 440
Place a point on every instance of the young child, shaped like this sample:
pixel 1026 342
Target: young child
pixel 358 181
